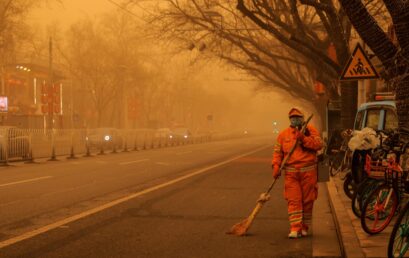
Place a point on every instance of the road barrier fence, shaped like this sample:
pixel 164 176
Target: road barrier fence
pixel 29 144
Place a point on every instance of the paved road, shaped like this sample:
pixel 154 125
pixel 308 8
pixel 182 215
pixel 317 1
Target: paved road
pixel 156 215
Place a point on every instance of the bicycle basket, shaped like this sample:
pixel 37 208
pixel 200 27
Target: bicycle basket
pixel 375 169
pixel 396 178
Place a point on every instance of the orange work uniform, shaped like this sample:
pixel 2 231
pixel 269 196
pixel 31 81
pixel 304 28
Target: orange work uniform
pixel 300 174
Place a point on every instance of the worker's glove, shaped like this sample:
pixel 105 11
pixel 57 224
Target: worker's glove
pixel 264 197
pixel 299 136
pixel 276 171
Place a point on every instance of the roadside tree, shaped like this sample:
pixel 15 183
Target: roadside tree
pixel 392 50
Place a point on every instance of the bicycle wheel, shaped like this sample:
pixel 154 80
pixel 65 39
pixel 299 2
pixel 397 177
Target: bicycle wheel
pixel 361 194
pixel 349 186
pixel 399 239
pixel 378 209
pixel 335 164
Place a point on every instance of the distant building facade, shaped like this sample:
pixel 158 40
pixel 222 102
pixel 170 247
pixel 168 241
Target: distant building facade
pixel 25 86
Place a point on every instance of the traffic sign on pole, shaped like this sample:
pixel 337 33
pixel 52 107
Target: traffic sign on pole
pixel 359 66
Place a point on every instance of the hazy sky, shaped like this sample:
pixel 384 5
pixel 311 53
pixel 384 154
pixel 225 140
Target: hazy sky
pixel 266 107
pixel 70 11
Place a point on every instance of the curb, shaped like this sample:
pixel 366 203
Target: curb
pixel 349 241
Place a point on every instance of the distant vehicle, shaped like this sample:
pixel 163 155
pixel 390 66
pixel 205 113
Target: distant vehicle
pixel 163 133
pixel 181 133
pixel 379 115
pixel 106 138
pixel 16 141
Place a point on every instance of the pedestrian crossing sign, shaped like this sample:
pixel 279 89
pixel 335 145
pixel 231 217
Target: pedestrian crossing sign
pixel 359 66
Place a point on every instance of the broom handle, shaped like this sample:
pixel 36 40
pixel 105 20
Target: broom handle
pixel 291 152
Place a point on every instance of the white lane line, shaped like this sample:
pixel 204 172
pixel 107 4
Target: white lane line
pixel 87 213
pixel 133 162
pixel 26 181
pixel 162 163
pixel 185 152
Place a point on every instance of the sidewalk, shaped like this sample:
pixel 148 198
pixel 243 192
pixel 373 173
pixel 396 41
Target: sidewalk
pixel 356 243
pixel 325 241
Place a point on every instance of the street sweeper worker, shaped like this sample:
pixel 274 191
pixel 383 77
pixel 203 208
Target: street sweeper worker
pixel 300 171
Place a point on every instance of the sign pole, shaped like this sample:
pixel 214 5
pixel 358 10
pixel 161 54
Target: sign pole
pixel 50 87
pixel 359 66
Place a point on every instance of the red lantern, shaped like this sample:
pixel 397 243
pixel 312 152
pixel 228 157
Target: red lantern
pixel 44 89
pixel 44 99
pixel 50 108
pixel 56 89
pixel 57 99
pixel 44 109
pixel 332 52
pixel 57 109
pixel 319 88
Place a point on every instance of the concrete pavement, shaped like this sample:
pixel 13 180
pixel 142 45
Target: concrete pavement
pixel 356 242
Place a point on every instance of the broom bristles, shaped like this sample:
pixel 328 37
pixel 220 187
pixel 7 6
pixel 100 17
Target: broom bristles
pixel 239 229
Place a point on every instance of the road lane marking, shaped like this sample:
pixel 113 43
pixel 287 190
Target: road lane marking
pixel 111 204
pixel 26 181
pixel 162 163
pixel 185 152
pixel 133 162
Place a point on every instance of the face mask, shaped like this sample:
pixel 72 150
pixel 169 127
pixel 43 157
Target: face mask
pixel 296 121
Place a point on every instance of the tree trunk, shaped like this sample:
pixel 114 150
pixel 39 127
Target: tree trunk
pixel 402 102
pixel 321 109
pixel 349 96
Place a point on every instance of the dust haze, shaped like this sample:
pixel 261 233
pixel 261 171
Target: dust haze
pixel 116 72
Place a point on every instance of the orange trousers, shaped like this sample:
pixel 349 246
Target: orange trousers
pixel 301 190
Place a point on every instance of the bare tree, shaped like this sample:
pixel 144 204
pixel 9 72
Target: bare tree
pixel 219 29
pixel 283 43
pixel 14 30
pixel 283 20
pixel 91 65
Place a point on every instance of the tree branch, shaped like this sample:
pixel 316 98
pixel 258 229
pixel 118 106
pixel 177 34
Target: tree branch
pixel 370 31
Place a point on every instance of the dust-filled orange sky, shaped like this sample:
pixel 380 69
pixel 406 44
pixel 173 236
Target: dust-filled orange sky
pixel 69 11
pixel 267 107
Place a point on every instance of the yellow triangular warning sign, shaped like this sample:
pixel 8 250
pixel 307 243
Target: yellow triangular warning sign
pixel 359 67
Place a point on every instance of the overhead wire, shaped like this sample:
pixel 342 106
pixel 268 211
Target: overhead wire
pixel 126 10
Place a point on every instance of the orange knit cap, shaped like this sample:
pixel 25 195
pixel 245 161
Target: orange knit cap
pixel 295 112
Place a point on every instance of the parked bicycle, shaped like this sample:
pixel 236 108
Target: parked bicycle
pixel 399 239
pixel 382 202
pixel 340 160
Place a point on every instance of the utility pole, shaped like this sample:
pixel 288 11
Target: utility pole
pixel 50 86
pixel 2 74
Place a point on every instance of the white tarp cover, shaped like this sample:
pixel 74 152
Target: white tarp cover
pixel 364 140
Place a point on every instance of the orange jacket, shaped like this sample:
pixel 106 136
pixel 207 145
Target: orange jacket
pixel 305 154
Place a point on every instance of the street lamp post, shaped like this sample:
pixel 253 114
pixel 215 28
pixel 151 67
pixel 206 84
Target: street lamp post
pixel 2 79
pixel 50 84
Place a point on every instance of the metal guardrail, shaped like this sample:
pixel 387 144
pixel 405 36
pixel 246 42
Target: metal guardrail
pixel 29 144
